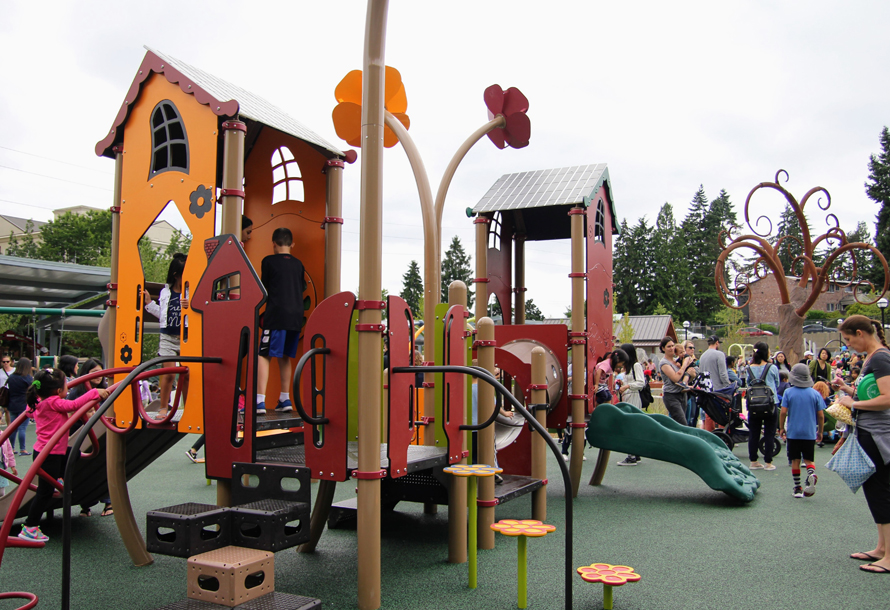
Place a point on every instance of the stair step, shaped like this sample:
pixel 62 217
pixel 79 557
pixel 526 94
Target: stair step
pixel 270 525
pixel 187 529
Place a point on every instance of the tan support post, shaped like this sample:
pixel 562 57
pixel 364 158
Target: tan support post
pixel 370 344
pixel 333 233
pixel 485 437
pixel 519 269
pixel 578 351
pixel 115 448
pixel 457 498
pixel 539 444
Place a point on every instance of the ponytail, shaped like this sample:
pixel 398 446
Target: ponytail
pixel 47 382
pixel 879 332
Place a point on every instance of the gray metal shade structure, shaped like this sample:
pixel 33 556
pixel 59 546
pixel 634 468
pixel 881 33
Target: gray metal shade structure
pixel 540 200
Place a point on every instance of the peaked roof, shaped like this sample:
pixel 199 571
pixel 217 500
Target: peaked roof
pixel 547 188
pixel 21 223
pixel 649 330
pixel 224 99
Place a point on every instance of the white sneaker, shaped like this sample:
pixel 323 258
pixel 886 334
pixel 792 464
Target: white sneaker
pixel 755 466
pixel 809 485
pixel 769 467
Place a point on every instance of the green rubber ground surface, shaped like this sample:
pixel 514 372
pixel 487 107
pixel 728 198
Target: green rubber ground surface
pixel 695 548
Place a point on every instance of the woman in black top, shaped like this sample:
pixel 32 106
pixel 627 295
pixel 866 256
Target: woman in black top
pixel 19 381
pixel 872 412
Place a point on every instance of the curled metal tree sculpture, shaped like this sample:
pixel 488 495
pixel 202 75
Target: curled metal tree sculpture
pixel 813 272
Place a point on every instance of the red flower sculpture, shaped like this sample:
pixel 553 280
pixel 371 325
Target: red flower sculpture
pixel 512 105
pixel 608 574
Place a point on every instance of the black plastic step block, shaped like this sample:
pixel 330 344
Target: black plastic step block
pixel 188 529
pixel 270 525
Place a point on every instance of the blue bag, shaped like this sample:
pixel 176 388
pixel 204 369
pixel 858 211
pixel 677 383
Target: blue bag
pixel 852 463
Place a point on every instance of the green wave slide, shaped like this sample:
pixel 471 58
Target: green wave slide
pixel 626 429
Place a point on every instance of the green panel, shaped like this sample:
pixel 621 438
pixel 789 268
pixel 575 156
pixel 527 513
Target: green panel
pixel 439 329
pixel 352 380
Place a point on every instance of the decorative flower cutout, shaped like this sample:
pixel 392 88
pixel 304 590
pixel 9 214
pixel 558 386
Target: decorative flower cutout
pixel 473 470
pixel 203 194
pixel 522 527
pixel 512 105
pixel 608 574
pixel 126 354
pixel 347 114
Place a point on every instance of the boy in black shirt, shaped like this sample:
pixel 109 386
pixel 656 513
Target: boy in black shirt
pixel 285 280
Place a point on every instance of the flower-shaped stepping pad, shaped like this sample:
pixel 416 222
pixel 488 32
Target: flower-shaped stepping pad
pixel 522 527
pixel 610 576
pixel 473 470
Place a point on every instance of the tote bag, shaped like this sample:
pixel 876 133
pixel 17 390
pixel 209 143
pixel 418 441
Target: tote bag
pixel 852 464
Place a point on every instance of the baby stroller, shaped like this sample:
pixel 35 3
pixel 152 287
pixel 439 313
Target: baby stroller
pixel 724 409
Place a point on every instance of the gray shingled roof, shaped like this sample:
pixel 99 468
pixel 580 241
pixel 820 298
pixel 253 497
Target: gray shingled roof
pixel 21 223
pixel 543 188
pixel 648 330
pixel 250 106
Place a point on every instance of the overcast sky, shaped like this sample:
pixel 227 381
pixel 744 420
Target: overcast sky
pixel 669 95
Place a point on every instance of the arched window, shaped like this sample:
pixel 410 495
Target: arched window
pixel 287 181
pixel 599 226
pixel 169 144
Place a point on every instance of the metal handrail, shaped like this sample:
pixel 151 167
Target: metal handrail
pixel 298 373
pixel 536 425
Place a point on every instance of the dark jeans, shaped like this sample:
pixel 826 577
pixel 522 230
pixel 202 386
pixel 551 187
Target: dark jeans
pixel 877 487
pixel 20 432
pixel 676 406
pixel 767 424
pixel 54 466
pixel 198 444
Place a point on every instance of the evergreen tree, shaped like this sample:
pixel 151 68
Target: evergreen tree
pixel 844 264
pixel 789 227
pixel 456 266
pixel 878 190
pixel 632 268
pixel 671 285
pixel 532 312
pixel 412 287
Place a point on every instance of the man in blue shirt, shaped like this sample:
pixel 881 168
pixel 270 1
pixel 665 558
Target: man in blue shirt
pixel 800 422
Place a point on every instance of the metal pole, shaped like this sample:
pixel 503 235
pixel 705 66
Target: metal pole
pixel 578 365
pixel 370 344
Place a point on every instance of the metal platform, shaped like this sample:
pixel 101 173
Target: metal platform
pixel 420 457
pixel 271 601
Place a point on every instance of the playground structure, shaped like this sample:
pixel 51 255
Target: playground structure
pixel 215 151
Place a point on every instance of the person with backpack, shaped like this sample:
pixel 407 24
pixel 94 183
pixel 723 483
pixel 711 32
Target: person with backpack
pixel 762 398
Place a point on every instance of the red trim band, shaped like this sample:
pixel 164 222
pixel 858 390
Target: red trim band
pixel 518 290
pixel 465 454
pixel 335 163
pixel 576 211
pixel 487 503
pixel 372 328
pixel 538 386
pixel 426 421
pixel 467 313
pixel 111 286
pixel 115 209
pixel 481 220
pixel 577 334
pixel 479 280
pixel 373 474
pixel 577 396
pixel 574 425
pixel 117 149
pixel 331 219
pixel 491 343
pixel 578 341
pixel 578 274
pixel 231 193
pixel 429 363
pixel 361 305
pixel 429 384
pixel 544 481
pixel 236 125
pixel 469 333
pixel 110 303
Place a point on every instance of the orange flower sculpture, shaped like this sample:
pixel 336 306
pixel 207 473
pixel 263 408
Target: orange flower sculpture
pixel 473 470
pixel 347 114
pixel 608 574
pixel 522 527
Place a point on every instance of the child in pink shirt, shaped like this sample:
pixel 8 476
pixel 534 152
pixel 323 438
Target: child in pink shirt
pixel 7 463
pixel 49 409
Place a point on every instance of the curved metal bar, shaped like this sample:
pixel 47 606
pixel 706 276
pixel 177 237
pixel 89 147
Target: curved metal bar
pixel 298 372
pixel 72 459
pixel 32 598
pixel 536 425
pixel 172 409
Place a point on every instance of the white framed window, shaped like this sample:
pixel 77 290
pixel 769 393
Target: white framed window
pixel 287 179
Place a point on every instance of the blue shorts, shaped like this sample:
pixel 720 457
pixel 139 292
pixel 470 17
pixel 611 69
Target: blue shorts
pixel 279 343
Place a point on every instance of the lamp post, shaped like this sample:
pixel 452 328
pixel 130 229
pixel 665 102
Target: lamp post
pixel 882 305
pixel 686 327
pixel 840 338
